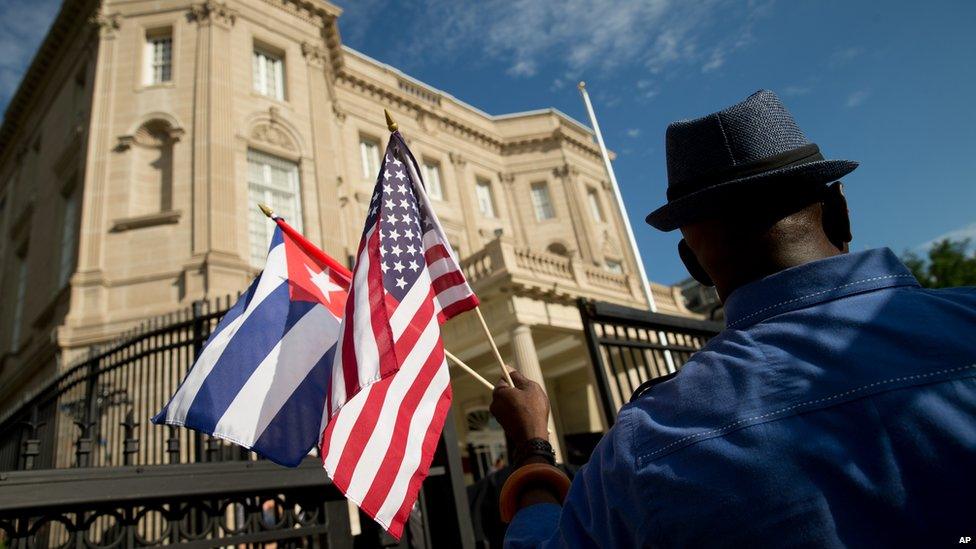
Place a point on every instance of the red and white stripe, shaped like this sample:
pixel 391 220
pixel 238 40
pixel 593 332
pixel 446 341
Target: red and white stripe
pixel 390 387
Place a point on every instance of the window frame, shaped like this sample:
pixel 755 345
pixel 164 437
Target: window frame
pixel 150 40
pixel 20 291
pixel 68 253
pixel 435 185
pixel 261 54
pixel 596 207
pixel 485 183
pixel 370 166
pixel 541 202
pixel 617 268
pixel 257 255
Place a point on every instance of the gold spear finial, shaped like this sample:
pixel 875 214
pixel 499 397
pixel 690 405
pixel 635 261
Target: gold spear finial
pixel 581 85
pixel 390 123
pixel 266 209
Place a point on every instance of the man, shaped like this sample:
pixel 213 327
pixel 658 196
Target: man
pixel 838 407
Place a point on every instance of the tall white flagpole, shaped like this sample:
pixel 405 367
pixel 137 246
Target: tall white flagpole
pixel 623 213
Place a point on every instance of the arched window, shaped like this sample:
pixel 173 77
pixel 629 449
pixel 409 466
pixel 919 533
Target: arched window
pixel 151 185
pixel 558 248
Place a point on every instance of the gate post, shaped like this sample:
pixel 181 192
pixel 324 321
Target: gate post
pixel 445 495
pixel 596 358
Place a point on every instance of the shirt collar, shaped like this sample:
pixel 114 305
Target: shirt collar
pixel 815 282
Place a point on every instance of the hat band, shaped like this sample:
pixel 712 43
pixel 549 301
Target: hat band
pixel 793 157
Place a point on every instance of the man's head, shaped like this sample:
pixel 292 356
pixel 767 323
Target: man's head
pixel 751 194
pixel 763 236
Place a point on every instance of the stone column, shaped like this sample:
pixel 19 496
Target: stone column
pixel 527 363
pixel 324 197
pixel 88 290
pixel 215 215
pixel 466 198
pixel 582 227
pixel 514 214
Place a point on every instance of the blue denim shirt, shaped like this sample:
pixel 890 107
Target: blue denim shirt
pixel 837 409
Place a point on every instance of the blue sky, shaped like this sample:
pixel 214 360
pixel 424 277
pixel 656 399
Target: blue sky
pixel 890 84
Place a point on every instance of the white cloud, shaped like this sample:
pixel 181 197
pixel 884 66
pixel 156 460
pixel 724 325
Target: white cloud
pixel 647 89
pixel 572 36
pixel 794 91
pixel 23 24
pixel 857 98
pixel 962 233
pixel 843 56
pixel 633 132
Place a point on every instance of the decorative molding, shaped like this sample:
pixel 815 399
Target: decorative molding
pixel 565 171
pixel 273 135
pixel 314 55
pixel 610 247
pixel 213 11
pixel 138 222
pixel 457 159
pixel 340 113
pixel 108 24
pixel 506 178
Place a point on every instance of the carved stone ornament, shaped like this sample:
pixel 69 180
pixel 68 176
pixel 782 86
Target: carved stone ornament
pixel 610 246
pixel 107 23
pixel 212 11
pixel 314 55
pixel 565 170
pixel 457 159
pixel 272 135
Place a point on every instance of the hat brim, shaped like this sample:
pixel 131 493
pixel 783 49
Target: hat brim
pixel 697 205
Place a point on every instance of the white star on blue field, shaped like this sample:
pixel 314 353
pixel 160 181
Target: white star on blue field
pixel 889 84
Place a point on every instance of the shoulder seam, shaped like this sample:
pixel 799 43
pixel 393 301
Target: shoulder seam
pixel 814 294
pixel 728 427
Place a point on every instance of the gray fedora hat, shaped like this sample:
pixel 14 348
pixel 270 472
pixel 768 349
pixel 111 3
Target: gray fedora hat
pixel 753 147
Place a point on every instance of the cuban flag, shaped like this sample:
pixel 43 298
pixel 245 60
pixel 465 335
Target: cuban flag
pixel 262 379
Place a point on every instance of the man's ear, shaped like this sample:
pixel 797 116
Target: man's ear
pixel 691 263
pixel 836 216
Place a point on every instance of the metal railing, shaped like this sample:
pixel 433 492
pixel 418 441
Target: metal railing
pixel 96 413
pixel 81 465
pixel 626 348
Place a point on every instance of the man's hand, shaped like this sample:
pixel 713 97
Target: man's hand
pixel 523 410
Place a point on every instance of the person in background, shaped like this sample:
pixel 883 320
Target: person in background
pixel 837 408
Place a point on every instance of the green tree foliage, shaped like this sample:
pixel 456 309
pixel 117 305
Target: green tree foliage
pixel 949 264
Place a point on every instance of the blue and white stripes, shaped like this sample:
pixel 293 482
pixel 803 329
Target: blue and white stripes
pixel 262 377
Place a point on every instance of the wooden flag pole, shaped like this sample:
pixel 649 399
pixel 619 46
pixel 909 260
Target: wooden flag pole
pixel 470 370
pixel 494 348
pixel 393 126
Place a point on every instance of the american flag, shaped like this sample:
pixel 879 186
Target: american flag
pixel 390 387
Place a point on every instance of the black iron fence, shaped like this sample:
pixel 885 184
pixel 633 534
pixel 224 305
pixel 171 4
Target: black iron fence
pixel 629 347
pixel 82 466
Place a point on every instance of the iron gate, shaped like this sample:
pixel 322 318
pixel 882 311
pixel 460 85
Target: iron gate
pixel 627 350
pixel 82 466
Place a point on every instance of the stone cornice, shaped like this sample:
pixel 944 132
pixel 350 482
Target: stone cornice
pixel 428 108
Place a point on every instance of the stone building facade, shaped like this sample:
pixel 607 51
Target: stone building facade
pixel 143 133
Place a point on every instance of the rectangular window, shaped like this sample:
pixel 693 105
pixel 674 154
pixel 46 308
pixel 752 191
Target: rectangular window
pixel 486 204
pixel 369 153
pixel 18 316
pixel 432 178
pixel 69 238
pixel 595 208
pixel 159 57
pixel 273 181
pixel 614 266
pixel 541 202
pixel 269 74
